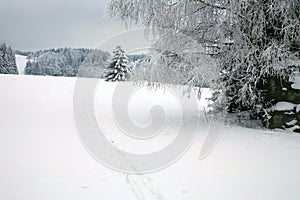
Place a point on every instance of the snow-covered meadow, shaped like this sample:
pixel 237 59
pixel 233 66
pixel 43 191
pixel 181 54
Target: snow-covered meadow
pixel 79 138
pixel 41 156
pixel 21 63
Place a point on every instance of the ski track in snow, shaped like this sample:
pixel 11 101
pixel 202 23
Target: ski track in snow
pixel 41 156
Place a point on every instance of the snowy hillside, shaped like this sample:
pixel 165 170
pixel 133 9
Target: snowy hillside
pixel 21 63
pixel 41 156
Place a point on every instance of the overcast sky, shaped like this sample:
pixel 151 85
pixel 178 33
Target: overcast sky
pixel 42 24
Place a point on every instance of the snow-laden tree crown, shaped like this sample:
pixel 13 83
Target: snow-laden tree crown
pixel 119 68
pixel 248 40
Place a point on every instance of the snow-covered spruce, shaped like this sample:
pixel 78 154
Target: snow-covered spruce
pixel 7 60
pixel 119 68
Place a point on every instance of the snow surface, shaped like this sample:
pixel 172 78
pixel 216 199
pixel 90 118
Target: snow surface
pixel 21 63
pixel 296 84
pixel 298 108
pixel 282 106
pixel 41 156
pixel 292 123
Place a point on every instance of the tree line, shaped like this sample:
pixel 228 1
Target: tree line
pixel 63 61
pixel 69 62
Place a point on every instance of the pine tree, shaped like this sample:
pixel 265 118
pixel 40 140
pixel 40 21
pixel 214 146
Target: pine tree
pixel 1 60
pixel 12 65
pixel 3 66
pixel 28 68
pixel 7 61
pixel 118 69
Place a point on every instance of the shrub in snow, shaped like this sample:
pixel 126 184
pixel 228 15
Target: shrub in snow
pixel 119 68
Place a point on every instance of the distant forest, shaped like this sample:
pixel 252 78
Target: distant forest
pixel 64 61
pixel 69 62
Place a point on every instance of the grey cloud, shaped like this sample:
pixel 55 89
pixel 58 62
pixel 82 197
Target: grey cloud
pixel 39 24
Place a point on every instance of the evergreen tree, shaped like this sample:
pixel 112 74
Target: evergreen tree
pixel 118 69
pixel 7 61
pixel 1 60
pixel 12 65
pixel 3 66
pixel 28 68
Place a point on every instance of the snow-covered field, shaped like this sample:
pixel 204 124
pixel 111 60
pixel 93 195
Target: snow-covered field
pixel 296 81
pixel 41 156
pixel 21 63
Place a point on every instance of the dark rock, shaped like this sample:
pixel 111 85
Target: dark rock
pixel 297 130
pixel 275 89
pixel 280 119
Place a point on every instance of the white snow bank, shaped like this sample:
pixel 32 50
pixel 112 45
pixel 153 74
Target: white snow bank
pixel 291 123
pixel 296 84
pixel 282 106
pixel 41 156
pixel 298 108
pixel 21 63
